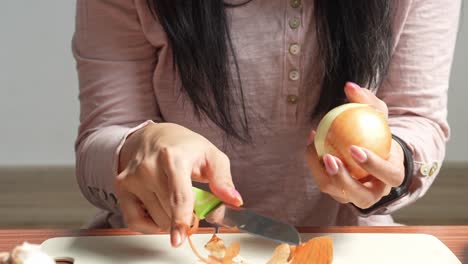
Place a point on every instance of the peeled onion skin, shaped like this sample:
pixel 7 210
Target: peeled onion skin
pixel 360 125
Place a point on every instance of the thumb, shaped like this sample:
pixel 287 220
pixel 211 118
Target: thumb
pixel 218 173
pixel 356 94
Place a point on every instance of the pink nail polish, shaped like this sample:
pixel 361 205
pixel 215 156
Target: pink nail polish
pixel 330 164
pixel 310 140
pixel 183 233
pixel 354 86
pixel 237 195
pixel 176 237
pixel 358 154
pixel 338 162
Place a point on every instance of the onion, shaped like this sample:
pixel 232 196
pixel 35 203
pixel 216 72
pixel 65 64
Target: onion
pixel 353 124
pixel 28 254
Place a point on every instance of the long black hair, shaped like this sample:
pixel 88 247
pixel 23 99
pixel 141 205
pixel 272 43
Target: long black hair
pixel 354 41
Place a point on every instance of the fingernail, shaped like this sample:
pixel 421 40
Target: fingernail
pixel 354 86
pixel 330 164
pixel 339 162
pixel 358 154
pixel 237 195
pixel 311 137
pixel 178 235
pixel 122 175
pixel 182 232
pixel 176 238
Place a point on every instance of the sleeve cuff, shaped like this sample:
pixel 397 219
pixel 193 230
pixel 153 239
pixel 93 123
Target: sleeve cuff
pixel 97 164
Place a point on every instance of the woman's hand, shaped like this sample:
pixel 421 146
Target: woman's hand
pixel 332 177
pixel 159 163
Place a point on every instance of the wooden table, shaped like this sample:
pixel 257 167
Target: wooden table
pixel 455 237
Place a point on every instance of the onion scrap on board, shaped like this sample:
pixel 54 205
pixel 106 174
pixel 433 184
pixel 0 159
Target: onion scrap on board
pixel 218 252
pixel 317 250
pixel 26 254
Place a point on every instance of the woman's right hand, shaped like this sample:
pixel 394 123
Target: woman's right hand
pixel 158 164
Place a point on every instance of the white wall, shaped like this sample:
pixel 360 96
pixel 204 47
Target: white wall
pixel 38 85
pixel 457 148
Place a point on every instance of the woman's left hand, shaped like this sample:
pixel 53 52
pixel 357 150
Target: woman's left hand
pixel 332 177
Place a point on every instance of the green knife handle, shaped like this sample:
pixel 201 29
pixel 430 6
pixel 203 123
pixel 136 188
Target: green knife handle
pixel 205 202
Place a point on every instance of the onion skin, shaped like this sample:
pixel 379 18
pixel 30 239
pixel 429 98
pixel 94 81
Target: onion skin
pixel 353 124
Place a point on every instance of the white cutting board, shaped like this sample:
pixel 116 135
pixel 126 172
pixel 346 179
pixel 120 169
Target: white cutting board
pixel 348 249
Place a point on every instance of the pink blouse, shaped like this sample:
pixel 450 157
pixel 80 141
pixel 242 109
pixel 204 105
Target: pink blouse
pixel 126 80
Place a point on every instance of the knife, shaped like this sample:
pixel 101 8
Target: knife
pixel 209 207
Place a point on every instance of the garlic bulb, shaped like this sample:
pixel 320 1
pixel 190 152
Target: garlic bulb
pixel 27 254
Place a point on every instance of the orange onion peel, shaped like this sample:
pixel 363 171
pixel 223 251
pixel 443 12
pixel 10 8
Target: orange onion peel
pixel 353 124
pixel 219 254
pixel 190 231
pixel 318 250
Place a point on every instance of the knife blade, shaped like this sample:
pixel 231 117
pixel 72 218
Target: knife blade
pixel 209 207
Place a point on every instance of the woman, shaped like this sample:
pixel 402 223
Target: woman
pixel 228 94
